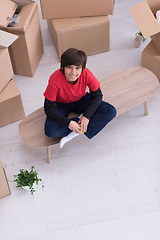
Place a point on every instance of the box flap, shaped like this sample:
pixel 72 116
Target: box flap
pixel 4 187
pixel 25 16
pixel 71 23
pixel 6 39
pixel 64 24
pixel 7 9
pixel 154 5
pixel 91 21
pixel 145 19
pixel 9 91
pixel 151 51
pixel 6 69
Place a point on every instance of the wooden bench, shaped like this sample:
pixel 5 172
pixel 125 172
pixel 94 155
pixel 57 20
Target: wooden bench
pixel 124 90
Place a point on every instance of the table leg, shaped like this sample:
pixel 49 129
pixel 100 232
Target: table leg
pixel 49 154
pixel 145 108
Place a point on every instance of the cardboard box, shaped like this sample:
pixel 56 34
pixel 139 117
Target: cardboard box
pixel 143 14
pixel 6 70
pixel 90 34
pixel 52 9
pixel 156 41
pixel 11 107
pixel 27 51
pixel 4 187
pixel 151 59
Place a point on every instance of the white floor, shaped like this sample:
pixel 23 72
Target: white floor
pixel 104 188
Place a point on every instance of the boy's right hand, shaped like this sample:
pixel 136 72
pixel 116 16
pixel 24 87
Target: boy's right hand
pixel 73 126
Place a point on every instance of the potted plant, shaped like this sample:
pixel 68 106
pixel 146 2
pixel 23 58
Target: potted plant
pixel 26 179
pixel 140 34
pixel 138 39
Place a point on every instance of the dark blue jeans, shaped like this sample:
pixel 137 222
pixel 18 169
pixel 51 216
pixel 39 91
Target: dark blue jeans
pixel 103 115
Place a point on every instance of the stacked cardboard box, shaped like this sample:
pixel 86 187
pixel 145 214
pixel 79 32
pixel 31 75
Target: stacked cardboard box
pixel 11 107
pixel 83 25
pixel 27 51
pixel 144 15
pixel 6 70
pixel 90 34
pixel 75 8
pixel 4 187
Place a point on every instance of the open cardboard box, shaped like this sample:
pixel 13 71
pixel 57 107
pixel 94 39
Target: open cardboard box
pixel 11 106
pixel 90 34
pixel 52 9
pixel 151 59
pixel 27 51
pixel 4 187
pixel 143 14
pixel 6 70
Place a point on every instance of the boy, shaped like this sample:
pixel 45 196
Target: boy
pixel 66 92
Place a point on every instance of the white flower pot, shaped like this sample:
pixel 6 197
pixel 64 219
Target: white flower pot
pixel 137 41
pixel 27 188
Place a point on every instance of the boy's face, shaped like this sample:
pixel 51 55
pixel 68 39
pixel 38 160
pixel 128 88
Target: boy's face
pixel 72 72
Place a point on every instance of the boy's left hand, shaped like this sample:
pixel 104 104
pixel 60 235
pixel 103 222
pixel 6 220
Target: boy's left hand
pixel 83 121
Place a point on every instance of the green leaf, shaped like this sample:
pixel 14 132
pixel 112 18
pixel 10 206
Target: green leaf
pixel 26 178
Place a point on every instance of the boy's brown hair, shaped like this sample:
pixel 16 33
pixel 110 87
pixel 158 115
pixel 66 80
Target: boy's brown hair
pixel 73 56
